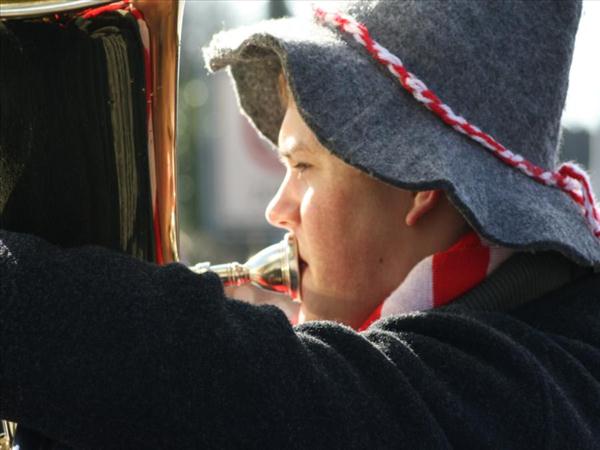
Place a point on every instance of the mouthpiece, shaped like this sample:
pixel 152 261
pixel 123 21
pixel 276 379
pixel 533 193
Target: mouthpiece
pixel 274 268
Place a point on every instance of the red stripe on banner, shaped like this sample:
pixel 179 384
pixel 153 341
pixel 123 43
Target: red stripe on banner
pixel 459 269
pixel 372 318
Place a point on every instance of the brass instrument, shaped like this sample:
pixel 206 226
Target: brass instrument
pixel 7 433
pixel 274 268
pixel 151 234
pixel 20 9
pixel 164 20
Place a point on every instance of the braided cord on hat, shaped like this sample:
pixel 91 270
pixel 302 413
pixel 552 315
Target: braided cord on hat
pixel 569 177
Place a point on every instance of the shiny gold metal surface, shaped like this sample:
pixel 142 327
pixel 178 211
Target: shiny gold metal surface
pixel 7 432
pixel 12 9
pixel 164 19
pixel 275 268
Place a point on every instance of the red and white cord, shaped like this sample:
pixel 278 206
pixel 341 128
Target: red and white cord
pixel 569 177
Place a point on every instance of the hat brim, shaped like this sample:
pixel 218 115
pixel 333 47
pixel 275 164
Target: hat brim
pixel 363 116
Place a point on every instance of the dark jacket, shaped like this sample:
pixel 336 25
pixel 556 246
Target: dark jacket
pixel 101 351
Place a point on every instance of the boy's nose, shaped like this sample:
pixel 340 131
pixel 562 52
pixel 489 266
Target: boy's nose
pixel 283 210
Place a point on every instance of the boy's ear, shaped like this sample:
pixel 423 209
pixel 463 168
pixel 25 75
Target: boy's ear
pixel 423 202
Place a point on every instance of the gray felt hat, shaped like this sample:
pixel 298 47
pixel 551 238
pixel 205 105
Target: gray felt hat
pixel 503 65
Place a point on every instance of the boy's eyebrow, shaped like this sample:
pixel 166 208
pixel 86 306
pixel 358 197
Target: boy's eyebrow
pixel 293 148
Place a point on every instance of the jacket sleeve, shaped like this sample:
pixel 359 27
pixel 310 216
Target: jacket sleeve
pixel 102 351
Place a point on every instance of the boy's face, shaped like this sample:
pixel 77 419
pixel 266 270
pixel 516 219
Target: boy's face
pixel 350 227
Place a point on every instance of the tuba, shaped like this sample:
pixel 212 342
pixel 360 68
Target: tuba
pixel 87 150
pixel 88 94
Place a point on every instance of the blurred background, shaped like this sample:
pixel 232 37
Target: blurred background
pixel 227 174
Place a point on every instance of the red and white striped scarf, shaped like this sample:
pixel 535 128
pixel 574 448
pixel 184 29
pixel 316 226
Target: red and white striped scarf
pixel 442 277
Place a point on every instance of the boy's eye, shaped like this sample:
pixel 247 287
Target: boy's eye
pixel 301 167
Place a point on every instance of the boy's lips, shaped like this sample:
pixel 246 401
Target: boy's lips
pixel 302 263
